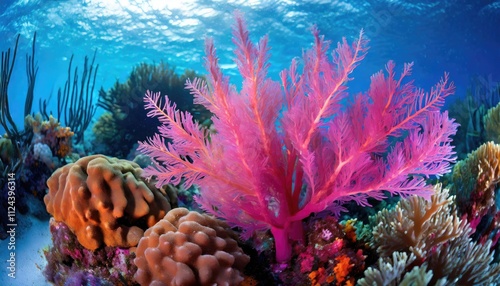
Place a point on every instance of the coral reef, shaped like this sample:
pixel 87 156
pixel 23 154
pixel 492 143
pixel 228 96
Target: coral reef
pixel 69 263
pixel 104 201
pixel 50 133
pixel 330 255
pixel 426 242
pixel 189 248
pixel 475 183
pixel 47 145
pixel 418 226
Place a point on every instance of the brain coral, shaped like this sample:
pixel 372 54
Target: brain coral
pixel 104 201
pixel 189 248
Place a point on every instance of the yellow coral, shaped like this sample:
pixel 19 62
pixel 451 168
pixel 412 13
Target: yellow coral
pixel 350 229
pixel 479 173
pixel 51 124
pixel 64 132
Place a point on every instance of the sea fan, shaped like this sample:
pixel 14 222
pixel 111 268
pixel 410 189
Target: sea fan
pixel 281 153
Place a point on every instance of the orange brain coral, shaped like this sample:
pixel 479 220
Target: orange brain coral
pixel 189 248
pixel 104 201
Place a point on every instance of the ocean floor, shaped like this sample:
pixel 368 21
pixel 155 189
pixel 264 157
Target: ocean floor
pixel 32 235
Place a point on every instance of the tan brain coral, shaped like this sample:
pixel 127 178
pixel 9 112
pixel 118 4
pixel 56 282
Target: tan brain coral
pixel 189 248
pixel 104 201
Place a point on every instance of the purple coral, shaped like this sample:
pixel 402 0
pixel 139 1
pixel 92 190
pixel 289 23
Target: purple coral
pixel 69 263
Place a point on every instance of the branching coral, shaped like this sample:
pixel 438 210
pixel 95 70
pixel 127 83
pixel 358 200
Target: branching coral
pixel 458 262
pixel 104 201
pixel 417 225
pixel 429 244
pixel 75 103
pixel 464 262
pixel 389 270
pixel 21 138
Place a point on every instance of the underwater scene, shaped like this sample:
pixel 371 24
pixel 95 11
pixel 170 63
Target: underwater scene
pixel 249 142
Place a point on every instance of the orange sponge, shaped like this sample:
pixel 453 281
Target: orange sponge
pixel 104 201
pixel 189 248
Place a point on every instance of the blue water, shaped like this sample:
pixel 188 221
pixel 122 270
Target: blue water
pixel 460 37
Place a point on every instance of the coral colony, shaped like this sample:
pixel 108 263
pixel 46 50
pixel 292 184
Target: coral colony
pixel 274 169
pixel 279 156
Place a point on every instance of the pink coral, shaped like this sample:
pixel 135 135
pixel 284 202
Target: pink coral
pixel 280 155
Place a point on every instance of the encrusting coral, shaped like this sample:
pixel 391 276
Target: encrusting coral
pixel 69 263
pixel 105 201
pixel 189 248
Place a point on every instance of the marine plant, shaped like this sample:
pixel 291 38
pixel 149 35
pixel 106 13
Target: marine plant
pixel 280 154
pixel 125 122
pixel 75 102
pixel 476 115
pixel 20 137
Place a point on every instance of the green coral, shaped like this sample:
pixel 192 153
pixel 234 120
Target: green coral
pixel 492 124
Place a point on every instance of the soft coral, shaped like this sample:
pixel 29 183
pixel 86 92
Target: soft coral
pixel 278 156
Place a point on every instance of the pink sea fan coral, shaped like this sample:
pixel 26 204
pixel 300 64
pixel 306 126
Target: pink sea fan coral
pixel 283 152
